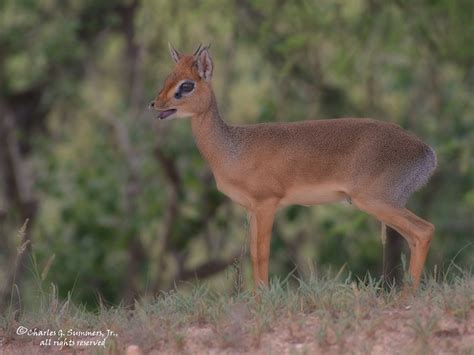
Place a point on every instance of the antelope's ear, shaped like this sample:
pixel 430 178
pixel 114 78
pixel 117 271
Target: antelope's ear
pixel 174 53
pixel 204 63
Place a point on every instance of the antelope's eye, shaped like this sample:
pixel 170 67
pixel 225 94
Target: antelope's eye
pixel 186 87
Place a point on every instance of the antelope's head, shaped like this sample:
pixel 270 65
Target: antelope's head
pixel 187 90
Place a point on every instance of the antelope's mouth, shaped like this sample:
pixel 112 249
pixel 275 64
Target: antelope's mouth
pixel 166 113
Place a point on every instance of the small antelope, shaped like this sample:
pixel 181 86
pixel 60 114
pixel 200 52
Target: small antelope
pixel 373 164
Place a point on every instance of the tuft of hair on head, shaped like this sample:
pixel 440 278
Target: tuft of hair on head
pixel 200 48
pixel 196 52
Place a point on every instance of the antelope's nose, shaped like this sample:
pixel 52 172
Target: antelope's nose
pixel 152 104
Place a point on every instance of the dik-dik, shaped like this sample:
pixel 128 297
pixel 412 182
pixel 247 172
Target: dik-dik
pixel 264 167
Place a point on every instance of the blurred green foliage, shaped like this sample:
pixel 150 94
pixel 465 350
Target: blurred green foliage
pixel 127 204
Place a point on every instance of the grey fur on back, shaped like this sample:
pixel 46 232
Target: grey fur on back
pixel 417 176
pixel 423 171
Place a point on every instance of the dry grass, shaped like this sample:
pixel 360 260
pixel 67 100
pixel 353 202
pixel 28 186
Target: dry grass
pixel 317 316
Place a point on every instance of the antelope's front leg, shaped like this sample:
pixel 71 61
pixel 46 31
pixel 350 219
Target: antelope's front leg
pixel 261 222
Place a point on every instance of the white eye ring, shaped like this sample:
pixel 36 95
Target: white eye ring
pixel 178 93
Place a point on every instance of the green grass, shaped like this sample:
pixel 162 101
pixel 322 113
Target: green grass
pixel 326 315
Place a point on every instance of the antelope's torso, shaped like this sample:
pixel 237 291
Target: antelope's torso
pixel 309 162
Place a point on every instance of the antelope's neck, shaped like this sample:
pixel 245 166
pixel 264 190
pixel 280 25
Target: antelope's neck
pixel 213 136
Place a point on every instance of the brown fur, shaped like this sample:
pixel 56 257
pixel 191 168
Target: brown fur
pixel 375 164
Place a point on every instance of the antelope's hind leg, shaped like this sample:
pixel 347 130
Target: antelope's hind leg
pixel 414 229
pixel 393 245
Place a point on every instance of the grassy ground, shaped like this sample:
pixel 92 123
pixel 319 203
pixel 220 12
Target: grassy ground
pixel 318 316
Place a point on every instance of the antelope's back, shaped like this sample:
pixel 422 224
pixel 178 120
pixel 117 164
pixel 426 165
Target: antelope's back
pixel 349 151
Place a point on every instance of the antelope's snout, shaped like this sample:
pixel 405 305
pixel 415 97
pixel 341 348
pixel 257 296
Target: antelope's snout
pixel 163 112
pixel 157 103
